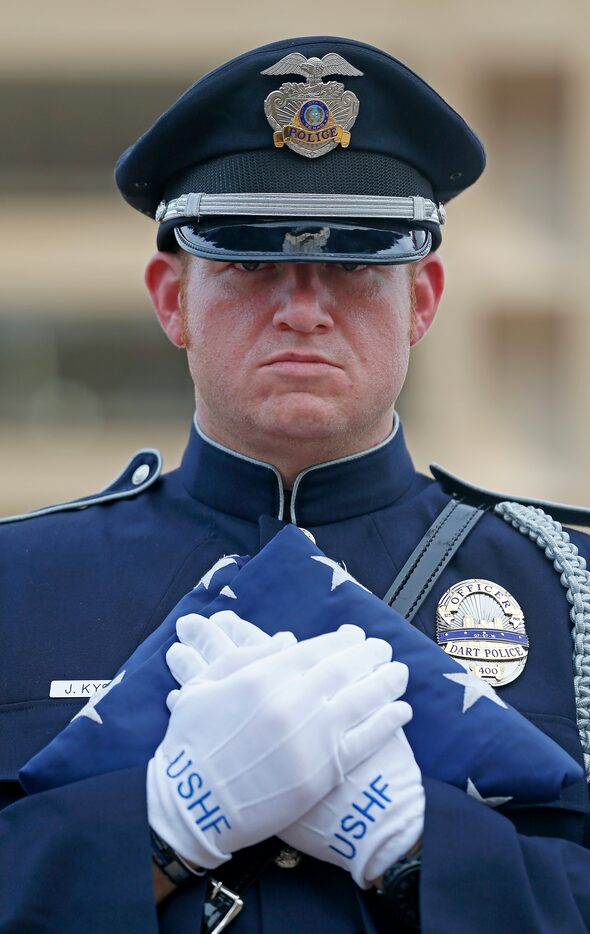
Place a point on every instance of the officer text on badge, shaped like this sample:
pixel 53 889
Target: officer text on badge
pixel 480 624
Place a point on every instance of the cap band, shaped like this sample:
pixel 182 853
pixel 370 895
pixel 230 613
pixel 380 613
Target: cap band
pixel 348 172
pixel 286 204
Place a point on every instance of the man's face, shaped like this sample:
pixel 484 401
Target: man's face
pixel 304 351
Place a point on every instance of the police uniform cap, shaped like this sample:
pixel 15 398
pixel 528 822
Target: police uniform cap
pixel 215 140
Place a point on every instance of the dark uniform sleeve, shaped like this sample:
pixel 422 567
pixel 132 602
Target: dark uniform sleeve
pixel 78 858
pixel 480 874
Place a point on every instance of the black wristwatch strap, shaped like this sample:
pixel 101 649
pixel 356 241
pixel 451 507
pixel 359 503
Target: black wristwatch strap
pixel 401 891
pixel 171 863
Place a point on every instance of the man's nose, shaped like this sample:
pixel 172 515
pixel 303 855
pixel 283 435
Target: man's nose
pixel 303 301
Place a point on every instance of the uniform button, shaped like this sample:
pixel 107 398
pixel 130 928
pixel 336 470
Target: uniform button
pixel 288 858
pixel 140 474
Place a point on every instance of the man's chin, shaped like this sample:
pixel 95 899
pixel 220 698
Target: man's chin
pixel 303 417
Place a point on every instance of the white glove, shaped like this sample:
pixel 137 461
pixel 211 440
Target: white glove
pixel 244 755
pixel 371 819
pixel 214 647
pixel 334 830
pixel 387 787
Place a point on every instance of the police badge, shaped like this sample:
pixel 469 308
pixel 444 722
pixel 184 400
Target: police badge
pixel 481 625
pixel 312 118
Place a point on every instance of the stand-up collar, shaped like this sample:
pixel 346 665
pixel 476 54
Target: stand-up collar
pixel 329 492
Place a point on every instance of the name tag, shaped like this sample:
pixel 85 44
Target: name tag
pixel 76 688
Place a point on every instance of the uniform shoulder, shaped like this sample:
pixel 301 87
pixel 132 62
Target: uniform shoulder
pixel 138 475
pixel 457 487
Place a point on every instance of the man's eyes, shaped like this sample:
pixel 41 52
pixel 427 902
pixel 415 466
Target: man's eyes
pixel 249 267
pixel 351 267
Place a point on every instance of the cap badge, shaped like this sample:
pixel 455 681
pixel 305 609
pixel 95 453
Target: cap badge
pixel 481 625
pixel 311 118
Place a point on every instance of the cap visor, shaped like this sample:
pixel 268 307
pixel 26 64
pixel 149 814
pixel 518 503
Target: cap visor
pixel 308 241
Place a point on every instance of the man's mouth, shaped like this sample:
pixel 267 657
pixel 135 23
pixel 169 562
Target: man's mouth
pixel 293 362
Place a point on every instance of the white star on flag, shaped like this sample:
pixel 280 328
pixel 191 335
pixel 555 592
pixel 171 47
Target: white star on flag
pixel 222 563
pixel 339 575
pixel 491 802
pixel 89 709
pixel 474 689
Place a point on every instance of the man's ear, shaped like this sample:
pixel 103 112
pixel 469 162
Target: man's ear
pixel 162 277
pixel 429 283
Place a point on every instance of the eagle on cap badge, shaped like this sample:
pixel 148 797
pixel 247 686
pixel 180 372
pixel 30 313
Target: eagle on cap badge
pixel 312 118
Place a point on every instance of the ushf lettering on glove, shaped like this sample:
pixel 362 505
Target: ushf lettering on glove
pixel 351 826
pixel 208 813
pixel 371 819
pixel 374 812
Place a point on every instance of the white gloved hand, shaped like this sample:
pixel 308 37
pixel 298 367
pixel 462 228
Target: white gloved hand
pixel 387 787
pixel 371 819
pixel 214 647
pixel 244 755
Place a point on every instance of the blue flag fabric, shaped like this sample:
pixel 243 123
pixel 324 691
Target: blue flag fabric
pixel 461 732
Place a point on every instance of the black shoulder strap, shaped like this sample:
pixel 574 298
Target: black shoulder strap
pixel 431 556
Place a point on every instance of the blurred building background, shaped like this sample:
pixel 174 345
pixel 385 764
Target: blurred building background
pixel 498 392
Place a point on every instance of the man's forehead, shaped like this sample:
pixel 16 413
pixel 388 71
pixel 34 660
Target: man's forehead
pixel 303 149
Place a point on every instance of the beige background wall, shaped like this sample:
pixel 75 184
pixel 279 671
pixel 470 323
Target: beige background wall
pixel 498 392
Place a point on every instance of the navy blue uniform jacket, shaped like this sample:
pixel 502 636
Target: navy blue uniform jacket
pixel 80 588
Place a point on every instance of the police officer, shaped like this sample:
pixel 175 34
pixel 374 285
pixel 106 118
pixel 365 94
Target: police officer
pixel 299 192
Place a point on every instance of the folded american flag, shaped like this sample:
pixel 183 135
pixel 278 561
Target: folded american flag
pixel 461 732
